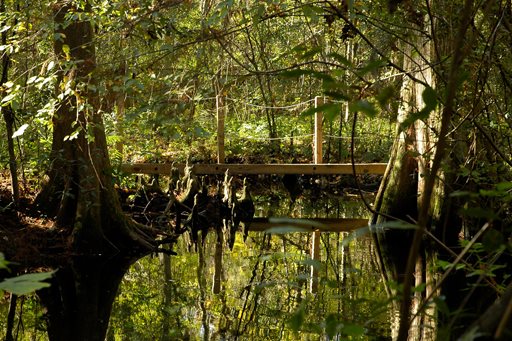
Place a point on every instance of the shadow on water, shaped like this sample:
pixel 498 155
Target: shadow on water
pixel 261 289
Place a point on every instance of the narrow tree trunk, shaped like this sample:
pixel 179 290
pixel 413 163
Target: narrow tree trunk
pixel 8 116
pixel 10 318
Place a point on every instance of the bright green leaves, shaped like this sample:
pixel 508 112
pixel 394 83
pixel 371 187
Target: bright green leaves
pixel 20 131
pixel 13 95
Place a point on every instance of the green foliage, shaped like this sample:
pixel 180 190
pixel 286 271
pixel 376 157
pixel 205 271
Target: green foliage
pixel 26 284
pixel 23 284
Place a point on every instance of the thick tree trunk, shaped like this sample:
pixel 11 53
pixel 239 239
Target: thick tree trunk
pixel 79 192
pixel 80 298
pixel 402 188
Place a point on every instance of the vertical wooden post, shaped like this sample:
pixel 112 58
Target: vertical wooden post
pixel 220 129
pixel 315 255
pixel 318 138
pixel 317 158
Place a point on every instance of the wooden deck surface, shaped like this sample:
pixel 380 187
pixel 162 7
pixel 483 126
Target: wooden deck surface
pixel 201 169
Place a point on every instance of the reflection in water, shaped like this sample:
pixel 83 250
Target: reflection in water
pixel 260 289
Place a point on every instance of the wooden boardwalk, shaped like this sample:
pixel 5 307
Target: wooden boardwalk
pixel 202 169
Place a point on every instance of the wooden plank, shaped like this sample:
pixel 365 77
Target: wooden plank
pixel 327 224
pixel 201 169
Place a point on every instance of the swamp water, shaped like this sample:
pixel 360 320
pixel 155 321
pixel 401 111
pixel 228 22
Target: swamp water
pixel 262 289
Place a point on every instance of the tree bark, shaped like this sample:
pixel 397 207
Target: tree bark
pixel 79 192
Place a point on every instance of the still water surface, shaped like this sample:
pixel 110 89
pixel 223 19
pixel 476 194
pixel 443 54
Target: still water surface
pixel 262 289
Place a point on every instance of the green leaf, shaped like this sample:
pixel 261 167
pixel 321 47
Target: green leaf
pixel 492 240
pixel 311 53
pixel 8 98
pixel 479 212
pixel 363 106
pixel 330 110
pixel 372 66
pixel 420 288
pixel 3 262
pixel 27 283
pixel 311 262
pixel 441 305
pixel 429 96
pixel 296 73
pixel 297 318
pixel 504 186
pixel 353 330
pixel 341 59
pixel 385 95
pixel 331 325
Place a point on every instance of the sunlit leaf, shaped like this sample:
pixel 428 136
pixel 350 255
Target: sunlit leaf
pixel 25 284
pixel 20 131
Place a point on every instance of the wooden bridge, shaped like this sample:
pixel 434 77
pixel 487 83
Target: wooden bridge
pixel 264 224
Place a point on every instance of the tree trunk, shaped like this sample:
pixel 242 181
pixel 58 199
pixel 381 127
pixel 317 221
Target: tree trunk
pixel 80 298
pixel 8 115
pixel 79 192
pixel 402 187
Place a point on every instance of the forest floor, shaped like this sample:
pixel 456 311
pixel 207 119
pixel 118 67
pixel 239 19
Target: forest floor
pixel 26 239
